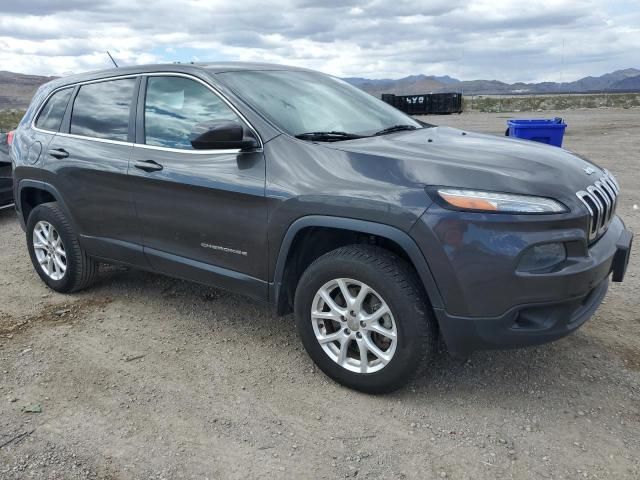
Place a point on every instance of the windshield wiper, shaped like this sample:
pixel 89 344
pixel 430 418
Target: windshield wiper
pixel 395 128
pixel 328 136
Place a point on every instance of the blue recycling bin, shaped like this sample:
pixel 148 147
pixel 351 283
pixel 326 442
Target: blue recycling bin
pixel 543 130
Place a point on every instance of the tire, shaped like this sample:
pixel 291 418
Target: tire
pixel 80 269
pixel 391 282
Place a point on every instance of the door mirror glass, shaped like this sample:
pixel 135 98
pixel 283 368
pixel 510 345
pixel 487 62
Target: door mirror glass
pixel 222 135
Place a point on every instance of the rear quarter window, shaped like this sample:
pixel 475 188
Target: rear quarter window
pixel 50 116
pixel 101 110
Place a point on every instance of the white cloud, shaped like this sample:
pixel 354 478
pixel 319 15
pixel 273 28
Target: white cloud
pixel 508 40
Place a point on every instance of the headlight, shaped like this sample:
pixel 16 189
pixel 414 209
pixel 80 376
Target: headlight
pixel 481 201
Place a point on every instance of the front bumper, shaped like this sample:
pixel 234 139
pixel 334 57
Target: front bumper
pixel 488 304
pixel 521 326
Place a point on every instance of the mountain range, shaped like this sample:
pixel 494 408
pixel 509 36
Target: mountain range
pixel 620 80
pixel 16 89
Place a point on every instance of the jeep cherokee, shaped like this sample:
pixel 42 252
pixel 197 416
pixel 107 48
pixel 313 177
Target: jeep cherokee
pixel 380 232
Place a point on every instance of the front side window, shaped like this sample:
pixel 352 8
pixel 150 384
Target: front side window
pixel 174 106
pixel 101 110
pixel 51 115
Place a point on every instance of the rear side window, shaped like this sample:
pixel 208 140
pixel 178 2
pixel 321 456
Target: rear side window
pixel 101 110
pixel 174 105
pixel 51 115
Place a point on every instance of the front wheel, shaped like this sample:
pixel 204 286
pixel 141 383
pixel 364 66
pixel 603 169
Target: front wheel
pixel 363 318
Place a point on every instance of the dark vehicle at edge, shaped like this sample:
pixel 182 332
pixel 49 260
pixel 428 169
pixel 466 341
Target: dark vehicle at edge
pixel 6 177
pixel 381 233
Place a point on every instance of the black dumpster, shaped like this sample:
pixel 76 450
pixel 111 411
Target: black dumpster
pixel 426 104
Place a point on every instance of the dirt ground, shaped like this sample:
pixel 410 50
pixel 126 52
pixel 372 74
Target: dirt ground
pixel 147 377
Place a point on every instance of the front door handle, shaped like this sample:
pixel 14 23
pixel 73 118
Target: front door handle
pixel 58 153
pixel 148 166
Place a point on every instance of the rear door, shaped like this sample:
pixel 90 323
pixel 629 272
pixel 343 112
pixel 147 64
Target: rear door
pixel 89 160
pixel 202 213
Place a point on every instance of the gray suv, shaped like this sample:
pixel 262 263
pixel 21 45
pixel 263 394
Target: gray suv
pixel 380 232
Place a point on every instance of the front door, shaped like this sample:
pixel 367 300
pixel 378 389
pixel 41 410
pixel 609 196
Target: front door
pixel 202 214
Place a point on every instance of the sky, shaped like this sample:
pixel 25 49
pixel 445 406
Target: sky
pixel 508 40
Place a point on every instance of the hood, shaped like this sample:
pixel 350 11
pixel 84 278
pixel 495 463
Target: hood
pixel 450 157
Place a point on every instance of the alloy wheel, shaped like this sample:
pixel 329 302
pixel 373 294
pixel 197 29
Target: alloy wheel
pixel 49 250
pixel 354 325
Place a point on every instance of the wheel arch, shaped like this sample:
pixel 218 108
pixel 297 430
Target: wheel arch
pixel 32 193
pixel 279 293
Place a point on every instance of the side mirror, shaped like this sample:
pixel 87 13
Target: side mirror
pixel 221 135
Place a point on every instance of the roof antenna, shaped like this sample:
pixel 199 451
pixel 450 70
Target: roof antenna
pixel 114 62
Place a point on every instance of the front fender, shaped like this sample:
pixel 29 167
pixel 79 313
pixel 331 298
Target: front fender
pixel 385 231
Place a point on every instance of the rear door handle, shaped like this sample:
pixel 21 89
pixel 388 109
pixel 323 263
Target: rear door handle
pixel 58 153
pixel 148 166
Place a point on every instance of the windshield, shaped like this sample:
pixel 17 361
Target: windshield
pixel 301 102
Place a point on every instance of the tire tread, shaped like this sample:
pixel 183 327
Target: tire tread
pixel 86 267
pixel 399 271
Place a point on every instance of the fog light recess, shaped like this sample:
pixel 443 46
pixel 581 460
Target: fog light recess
pixel 540 258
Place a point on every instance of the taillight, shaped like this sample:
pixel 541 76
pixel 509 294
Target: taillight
pixel 10 137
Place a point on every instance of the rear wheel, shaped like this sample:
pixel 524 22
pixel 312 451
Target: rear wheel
pixel 55 251
pixel 363 318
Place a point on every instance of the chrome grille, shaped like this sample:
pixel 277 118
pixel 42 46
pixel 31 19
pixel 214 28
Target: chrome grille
pixel 601 200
